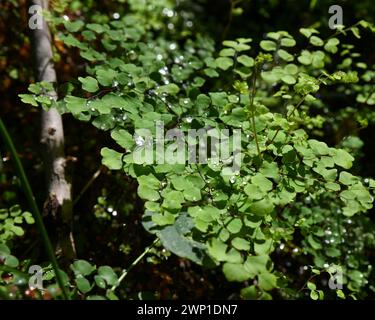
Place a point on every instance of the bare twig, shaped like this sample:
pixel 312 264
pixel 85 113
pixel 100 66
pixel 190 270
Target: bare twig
pixel 88 184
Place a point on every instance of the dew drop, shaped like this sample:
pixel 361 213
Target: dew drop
pixel 163 71
pixel 168 12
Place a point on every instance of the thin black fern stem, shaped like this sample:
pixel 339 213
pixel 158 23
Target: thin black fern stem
pixel 252 108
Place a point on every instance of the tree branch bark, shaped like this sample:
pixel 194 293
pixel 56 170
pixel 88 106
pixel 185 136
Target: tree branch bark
pixel 59 201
